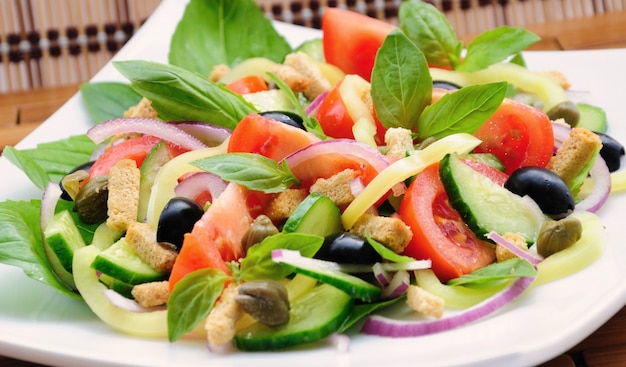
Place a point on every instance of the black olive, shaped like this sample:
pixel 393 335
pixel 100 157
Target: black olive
pixel 346 248
pixel 545 187
pixel 178 218
pixel 445 85
pixel 84 167
pixel 285 117
pixel 612 151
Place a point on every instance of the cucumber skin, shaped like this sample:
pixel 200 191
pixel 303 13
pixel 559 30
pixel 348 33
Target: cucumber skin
pixel 63 238
pixel 109 265
pixel 316 214
pixel 324 301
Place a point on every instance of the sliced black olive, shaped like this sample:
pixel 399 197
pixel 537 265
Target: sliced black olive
pixel 445 85
pixel 545 187
pixel 347 248
pixel 177 218
pixel 285 117
pixel 612 151
pixel 84 167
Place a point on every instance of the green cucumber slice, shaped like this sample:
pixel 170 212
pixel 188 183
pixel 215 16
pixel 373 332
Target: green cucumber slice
pixel 486 206
pixel 317 214
pixel 312 317
pixel 120 287
pixel 122 263
pixel 156 158
pixel 63 238
pixel 592 117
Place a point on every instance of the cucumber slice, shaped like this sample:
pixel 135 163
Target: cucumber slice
pixel 63 238
pixel 317 215
pixel 156 158
pixel 270 100
pixel 486 206
pixel 120 287
pixel 592 117
pixel 104 236
pixel 122 263
pixel 312 317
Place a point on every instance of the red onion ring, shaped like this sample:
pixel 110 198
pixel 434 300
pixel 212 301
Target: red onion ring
pixel 49 201
pixel 199 183
pixel 316 103
pixel 397 286
pixel 124 303
pixel 514 249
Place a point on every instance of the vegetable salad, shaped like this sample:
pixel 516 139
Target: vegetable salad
pixel 224 150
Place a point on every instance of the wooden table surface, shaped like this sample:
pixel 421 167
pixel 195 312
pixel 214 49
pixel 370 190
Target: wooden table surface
pixel 21 112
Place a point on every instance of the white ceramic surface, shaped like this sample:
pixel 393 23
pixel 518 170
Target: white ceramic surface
pixel 40 325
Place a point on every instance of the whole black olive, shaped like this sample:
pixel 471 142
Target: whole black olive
pixel 612 151
pixel 285 117
pixel 84 167
pixel 346 248
pixel 445 85
pixel 178 218
pixel 545 187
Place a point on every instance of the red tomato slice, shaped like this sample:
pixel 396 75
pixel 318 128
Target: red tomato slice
pixel 351 40
pixel 519 135
pixel 439 233
pixel 248 84
pixel 268 137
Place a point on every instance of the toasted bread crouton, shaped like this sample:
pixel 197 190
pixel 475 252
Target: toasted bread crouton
pixel 574 153
pixel 424 302
pixel 558 77
pixel 336 187
pixel 502 253
pixel 296 81
pixel 390 231
pixel 282 205
pixel 142 238
pixel 151 294
pixel 221 322
pixel 218 72
pixel 399 141
pixel 307 67
pixel 142 109
pixel 123 201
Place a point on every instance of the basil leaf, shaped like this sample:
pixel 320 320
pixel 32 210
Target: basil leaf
pixel 258 263
pixel 461 111
pixel 430 30
pixel 178 94
pixel 253 171
pixel 495 45
pixel 388 254
pixel 401 82
pixel 508 269
pixel 107 100
pixel 361 310
pixel 21 244
pixel 223 32
pixel 192 299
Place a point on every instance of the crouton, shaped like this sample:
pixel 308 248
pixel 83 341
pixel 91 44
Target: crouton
pixel 282 205
pixel 142 238
pixel 424 302
pixel 151 294
pixel 502 253
pixel 221 322
pixel 142 109
pixel 123 201
pixel 390 231
pixel 336 187
pixel 307 67
pixel 399 141
pixel 296 81
pixel 574 153
pixel 218 72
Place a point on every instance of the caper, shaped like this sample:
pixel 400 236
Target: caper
pixel 265 300
pixel 70 182
pixel 557 235
pixel 567 111
pixel 260 228
pixel 91 201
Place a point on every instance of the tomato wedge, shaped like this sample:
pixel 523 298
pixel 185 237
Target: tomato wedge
pixel 439 233
pixel 248 84
pixel 351 40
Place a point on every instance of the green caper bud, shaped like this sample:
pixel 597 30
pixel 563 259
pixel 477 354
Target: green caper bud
pixel 91 201
pixel 567 111
pixel 557 235
pixel 265 300
pixel 260 228
pixel 71 182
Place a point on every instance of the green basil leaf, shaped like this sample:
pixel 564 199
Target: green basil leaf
pixel 178 94
pixel 495 45
pixel 253 171
pixel 108 100
pixel 223 32
pixel 461 111
pixel 361 310
pixel 508 269
pixel 192 299
pixel 388 254
pixel 430 30
pixel 258 263
pixel 401 82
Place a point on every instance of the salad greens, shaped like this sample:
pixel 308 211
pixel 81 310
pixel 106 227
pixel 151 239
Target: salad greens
pixel 108 100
